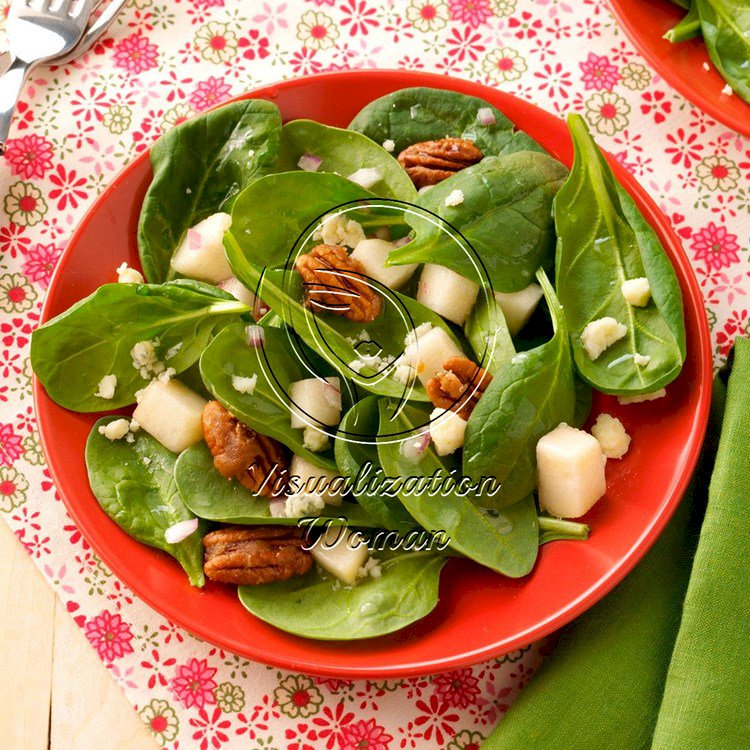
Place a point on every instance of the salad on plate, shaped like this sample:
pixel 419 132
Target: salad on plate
pixel 352 354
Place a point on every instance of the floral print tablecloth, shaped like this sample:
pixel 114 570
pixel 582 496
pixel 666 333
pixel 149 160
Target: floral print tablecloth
pixel 164 60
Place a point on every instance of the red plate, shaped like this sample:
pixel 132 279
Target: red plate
pixel 681 64
pixel 480 614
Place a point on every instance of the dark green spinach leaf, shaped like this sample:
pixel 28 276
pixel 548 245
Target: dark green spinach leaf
pixel 134 484
pixel 603 240
pixel 488 334
pixel 199 168
pixel 505 216
pixel 71 353
pixel 532 394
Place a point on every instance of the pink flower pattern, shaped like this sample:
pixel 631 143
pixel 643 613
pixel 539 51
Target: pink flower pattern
pixel 77 125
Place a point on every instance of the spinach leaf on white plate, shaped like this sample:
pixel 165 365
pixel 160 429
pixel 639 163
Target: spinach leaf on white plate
pixel 528 398
pixel 505 541
pixel 318 606
pixel 72 352
pixel 602 241
pixel 726 30
pixel 420 114
pixel 505 215
pixel 134 484
pixel 199 168
pixel 344 152
pixel 212 497
pixel 267 409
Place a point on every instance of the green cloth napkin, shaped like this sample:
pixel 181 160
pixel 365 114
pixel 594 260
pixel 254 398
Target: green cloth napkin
pixel 663 662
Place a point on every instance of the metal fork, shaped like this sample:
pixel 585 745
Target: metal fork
pixel 37 32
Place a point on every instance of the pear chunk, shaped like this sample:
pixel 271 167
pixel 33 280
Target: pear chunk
pixel 315 400
pixel 341 553
pixel 372 254
pixel 518 307
pixel 570 466
pixel 447 293
pixel 315 481
pixel 201 253
pixel 427 349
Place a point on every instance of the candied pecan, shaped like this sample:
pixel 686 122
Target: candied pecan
pixel 253 555
pixel 241 453
pixel 460 387
pixel 433 161
pixel 335 283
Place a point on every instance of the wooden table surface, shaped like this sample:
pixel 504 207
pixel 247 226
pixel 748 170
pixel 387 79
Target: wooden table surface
pixel 55 693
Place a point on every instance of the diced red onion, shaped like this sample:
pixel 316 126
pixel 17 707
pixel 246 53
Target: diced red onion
pixel 180 531
pixel 309 162
pixel 486 116
pixel 403 241
pixel 413 448
pixel 255 336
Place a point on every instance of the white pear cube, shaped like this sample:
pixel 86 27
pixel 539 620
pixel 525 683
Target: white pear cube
pixel 518 307
pixel 570 465
pixel 315 481
pixel 341 553
pixel 170 412
pixel 643 397
pixel 238 290
pixel 201 253
pixel 447 293
pixel 447 431
pixel 315 400
pixel 426 353
pixel 373 254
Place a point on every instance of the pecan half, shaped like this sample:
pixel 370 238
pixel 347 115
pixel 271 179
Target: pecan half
pixel 241 453
pixel 335 282
pixel 431 162
pixel 253 555
pixel 460 387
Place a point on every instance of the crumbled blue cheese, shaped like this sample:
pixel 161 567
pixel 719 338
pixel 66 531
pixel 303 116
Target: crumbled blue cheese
pixel 145 359
pixel 106 388
pixel 727 90
pixel 371 569
pixel 303 504
pixel 315 440
pixel 128 275
pixel 244 385
pixel 600 335
pixel 172 351
pixel 115 430
pixel 624 400
pixel 389 145
pixel 454 198
pixel 642 360
pixel 167 375
pixel 404 373
pixel 338 230
pixel 611 434
pixel 637 292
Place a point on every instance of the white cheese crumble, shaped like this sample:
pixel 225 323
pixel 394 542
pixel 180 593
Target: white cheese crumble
pixel 624 400
pixel 338 230
pixel 315 440
pixel 172 351
pixel 727 90
pixel 600 335
pixel 167 375
pixel 128 275
pixel 611 434
pixel 366 177
pixel 706 66
pixel 145 359
pixel 371 569
pixel 244 385
pixel 303 504
pixel 454 198
pixel 637 292
pixel 404 373
pixel 106 388
pixel 115 430
pixel 642 360
pixel 389 145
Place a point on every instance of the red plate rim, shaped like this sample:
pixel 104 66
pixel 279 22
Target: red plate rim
pixel 702 344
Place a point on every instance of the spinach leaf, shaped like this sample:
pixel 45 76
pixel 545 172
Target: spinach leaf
pixel 344 152
pixel 71 353
pixel 505 541
pixel 318 606
pixel 603 240
pixel 335 337
pixel 354 451
pixel 212 497
pixel 421 114
pixel 584 400
pixel 266 237
pixel 726 30
pixel 134 484
pixel 505 215
pixel 199 168
pixel 688 28
pixel 488 334
pixel 527 399
pixel 267 408
pixel 554 529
